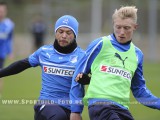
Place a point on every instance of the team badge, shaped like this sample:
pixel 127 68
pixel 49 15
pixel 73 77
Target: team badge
pixel 73 59
pixel 65 21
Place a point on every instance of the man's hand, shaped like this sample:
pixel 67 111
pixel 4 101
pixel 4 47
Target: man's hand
pixel 75 116
pixel 83 78
pixel 79 76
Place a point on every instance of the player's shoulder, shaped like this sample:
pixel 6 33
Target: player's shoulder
pixel 49 46
pixel 79 51
pixel 46 48
pixel 138 50
pixel 95 43
pixel 97 40
pixel 139 54
pixel 9 22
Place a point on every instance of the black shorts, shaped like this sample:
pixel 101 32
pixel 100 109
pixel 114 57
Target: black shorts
pixel 108 112
pixel 51 112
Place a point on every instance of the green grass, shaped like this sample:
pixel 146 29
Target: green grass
pixel 27 85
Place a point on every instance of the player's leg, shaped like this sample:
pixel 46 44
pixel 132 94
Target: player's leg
pixel 109 112
pixel 51 112
pixel 100 112
pixel 124 114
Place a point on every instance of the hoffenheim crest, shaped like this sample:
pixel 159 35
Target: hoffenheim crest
pixel 73 59
pixel 65 21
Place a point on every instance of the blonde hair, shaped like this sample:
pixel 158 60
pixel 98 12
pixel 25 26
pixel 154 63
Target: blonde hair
pixel 126 12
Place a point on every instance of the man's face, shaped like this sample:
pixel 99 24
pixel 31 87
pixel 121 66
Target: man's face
pixel 64 36
pixel 3 12
pixel 123 29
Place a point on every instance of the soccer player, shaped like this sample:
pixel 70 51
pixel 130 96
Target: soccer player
pixel 57 62
pixel 6 37
pixel 6 34
pixel 116 66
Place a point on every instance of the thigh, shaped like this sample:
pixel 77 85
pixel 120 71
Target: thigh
pixel 124 114
pixel 93 112
pixel 102 112
pixel 51 112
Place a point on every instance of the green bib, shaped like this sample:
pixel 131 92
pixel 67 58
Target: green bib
pixel 112 72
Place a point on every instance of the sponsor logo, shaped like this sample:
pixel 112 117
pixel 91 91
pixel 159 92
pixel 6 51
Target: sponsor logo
pixel 48 55
pixel 103 68
pixel 116 71
pixel 45 68
pixel 58 71
pixel 120 58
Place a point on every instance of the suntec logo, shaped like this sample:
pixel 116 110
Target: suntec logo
pixel 103 68
pixel 45 69
pixel 116 71
pixel 58 71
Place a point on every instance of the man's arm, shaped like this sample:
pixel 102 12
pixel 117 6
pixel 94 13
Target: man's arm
pixel 15 68
pixel 140 91
pixel 75 116
pixel 77 90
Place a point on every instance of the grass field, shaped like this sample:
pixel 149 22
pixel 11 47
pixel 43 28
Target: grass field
pixel 26 85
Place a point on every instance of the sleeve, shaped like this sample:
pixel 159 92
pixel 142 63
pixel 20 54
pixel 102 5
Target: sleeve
pixel 34 58
pixel 15 68
pixel 139 89
pixel 76 95
pixel 77 90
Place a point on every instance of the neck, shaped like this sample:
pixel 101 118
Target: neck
pixel 67 49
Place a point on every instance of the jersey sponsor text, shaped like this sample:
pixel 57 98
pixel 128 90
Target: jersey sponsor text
pixel 116 71
pixel 58 71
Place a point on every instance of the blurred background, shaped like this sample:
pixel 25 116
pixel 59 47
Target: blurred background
pixel 94 16
pixel 95 20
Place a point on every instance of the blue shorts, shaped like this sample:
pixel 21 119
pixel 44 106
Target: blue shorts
pixel 51 112
pixel 108 112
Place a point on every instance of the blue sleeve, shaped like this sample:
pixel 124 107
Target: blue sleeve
pixel 9 43
pixel 77 90
pixel 34 58
pixel 76 95
pixel 139 89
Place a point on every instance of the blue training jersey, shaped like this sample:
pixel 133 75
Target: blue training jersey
pixel 57 71
pixel 6 37
pixel 138 87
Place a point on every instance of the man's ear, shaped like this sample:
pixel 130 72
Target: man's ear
pixel 136 26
